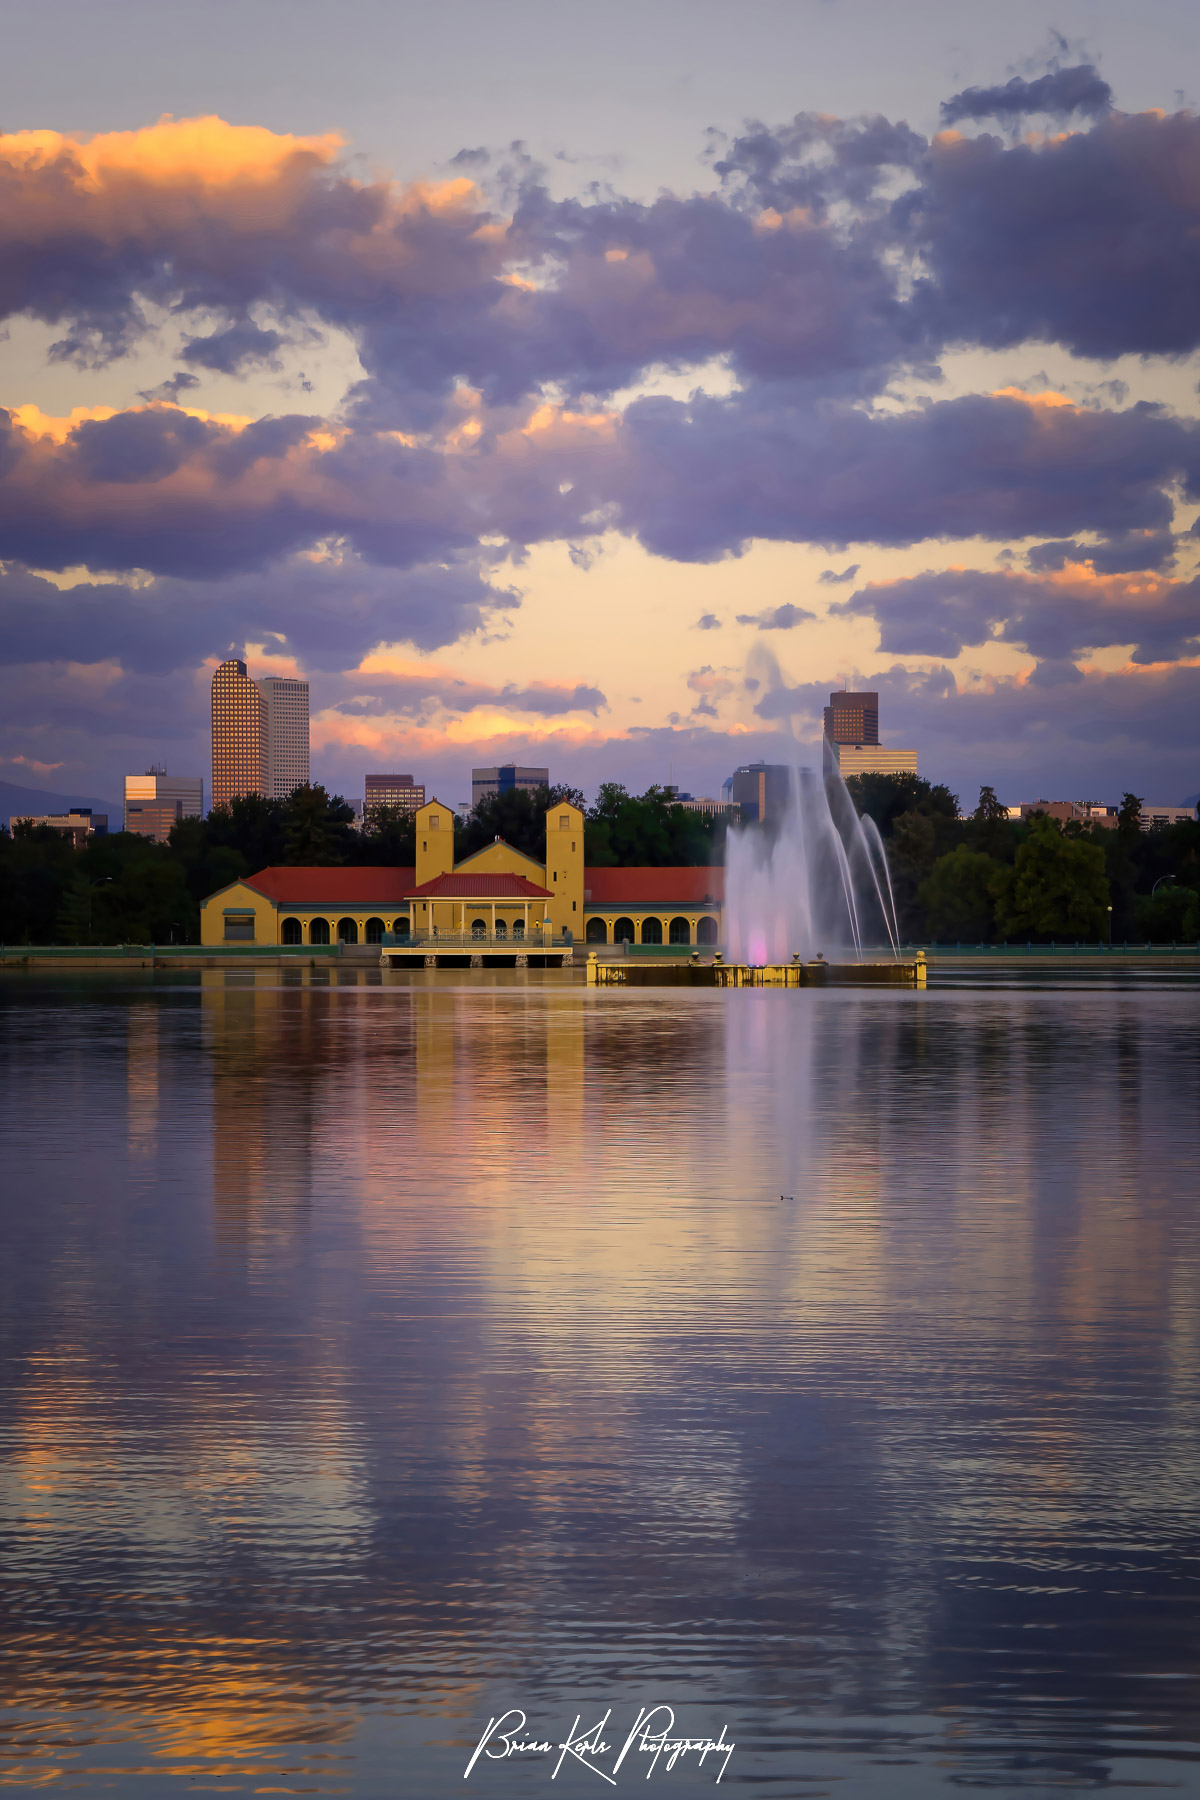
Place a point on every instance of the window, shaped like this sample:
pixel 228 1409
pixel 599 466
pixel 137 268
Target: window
pixel 347 931
pixel 501 928
pixel 374 932
pixel 400 925
pixel 239 928
pixel 518 928
pixel 597 931
pixel 706 931
pixel 652 931
pixel 292 932
pixel 680 932
pixel 623 931
pixel 478 928
pixel 564 823
pixel 318 931
pixel 434 821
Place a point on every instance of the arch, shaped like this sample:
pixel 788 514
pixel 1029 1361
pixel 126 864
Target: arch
pixel 400 925
pixel 291 932
pixel 347 931
pixel 318 931
pixel 706 931
pixel 374 932
pixel 623 932
pixel 501 928
pixel 680 932
pixel 652 931
pixel 597 931
pixel 518 928
pixel 478 927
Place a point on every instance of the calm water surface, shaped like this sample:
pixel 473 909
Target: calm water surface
pixel 376 1358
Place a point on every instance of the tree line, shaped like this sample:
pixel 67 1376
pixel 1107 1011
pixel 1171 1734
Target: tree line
pixel 127 889
pixel 987 878
pixel 983 878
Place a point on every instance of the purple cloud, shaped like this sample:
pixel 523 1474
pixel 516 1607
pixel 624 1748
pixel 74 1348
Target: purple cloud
pixel 1061 91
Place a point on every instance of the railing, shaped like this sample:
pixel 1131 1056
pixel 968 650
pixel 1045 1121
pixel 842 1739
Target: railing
pixel 476 940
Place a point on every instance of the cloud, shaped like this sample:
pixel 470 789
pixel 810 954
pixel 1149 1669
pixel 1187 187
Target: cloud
pixel 232 351
pixel 327 614
pixel 1061 91
pixel 777 618
pixel 1056 616
pixel 707 622
pixel 830 578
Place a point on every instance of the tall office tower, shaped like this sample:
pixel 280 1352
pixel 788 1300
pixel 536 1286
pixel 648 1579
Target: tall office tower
pixel 239 735
pixel 286 701
pixel 852 718
pixel 155 800
pixel 396 792
pixel 760 790
pixel 485 782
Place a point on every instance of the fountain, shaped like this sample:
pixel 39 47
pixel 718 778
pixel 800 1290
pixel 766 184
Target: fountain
pixel 817 882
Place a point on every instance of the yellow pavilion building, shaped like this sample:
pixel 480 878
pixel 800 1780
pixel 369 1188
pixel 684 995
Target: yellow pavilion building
pixel 496 902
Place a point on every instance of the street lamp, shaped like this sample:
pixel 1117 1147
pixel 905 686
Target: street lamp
pixel 1159 883
pixel 92 886
pixel 1110 927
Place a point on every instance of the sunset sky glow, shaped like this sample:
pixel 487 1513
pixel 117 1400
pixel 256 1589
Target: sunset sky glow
pixel 532 420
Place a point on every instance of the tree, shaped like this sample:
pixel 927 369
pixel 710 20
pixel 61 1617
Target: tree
pixel 887 797
pixel 388 839
pixel 1056 889
pixel 989 811
pixel 1170 916
pixel 957 896
pixel 317 830
pixel 1129 814
pixel 651 830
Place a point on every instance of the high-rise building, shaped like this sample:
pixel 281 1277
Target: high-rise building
pixel 286 702
pixel 852 732
pixel 761 791
pixel 852 718
pixel 398 793
pixel 155 800
pixel 239 735
pixel 486 782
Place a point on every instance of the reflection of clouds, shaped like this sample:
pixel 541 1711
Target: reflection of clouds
pixel 496 1336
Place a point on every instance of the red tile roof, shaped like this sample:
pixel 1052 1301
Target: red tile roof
pixel 479 887
pixel 332 887
pixel 653 887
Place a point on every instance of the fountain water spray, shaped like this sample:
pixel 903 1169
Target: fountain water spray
pixel 819 881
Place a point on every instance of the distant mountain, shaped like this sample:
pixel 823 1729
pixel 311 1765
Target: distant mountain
pixel 25 800
pixel 1190 800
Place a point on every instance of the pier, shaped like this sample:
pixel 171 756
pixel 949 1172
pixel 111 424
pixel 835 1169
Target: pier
pixel 718 973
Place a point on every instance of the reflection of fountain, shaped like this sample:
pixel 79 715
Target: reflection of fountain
pixel 819 882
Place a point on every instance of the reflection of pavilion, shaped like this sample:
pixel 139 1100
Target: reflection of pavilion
pixel 266 1061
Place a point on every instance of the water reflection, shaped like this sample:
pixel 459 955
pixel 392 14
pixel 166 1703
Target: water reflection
pixel 383 1352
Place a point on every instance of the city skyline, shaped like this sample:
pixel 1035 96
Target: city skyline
pixel 646 441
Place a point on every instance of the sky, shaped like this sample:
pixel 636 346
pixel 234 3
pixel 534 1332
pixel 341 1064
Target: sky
pixel 601 387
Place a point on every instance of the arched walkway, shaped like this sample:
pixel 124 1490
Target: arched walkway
pixel 347 931
pixel 680 932
pixel 373 933
pixel 292 932
pixel 318 931
pixel 652 931
pixel 401 926
pixel 597 931
pixel 623 932
pixel 706 931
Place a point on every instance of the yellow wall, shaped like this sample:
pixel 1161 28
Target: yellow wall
pixel 563 873
pixel 435 841
pixel 502 859
pixel 212 915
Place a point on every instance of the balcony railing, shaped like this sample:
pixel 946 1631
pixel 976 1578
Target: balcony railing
pixel 477 940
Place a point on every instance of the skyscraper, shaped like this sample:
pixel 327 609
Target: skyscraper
pixel 239 735
pixel 852 718
pixel 286 702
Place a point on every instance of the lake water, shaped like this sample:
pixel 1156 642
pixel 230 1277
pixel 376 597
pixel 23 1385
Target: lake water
pixel 383 1355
